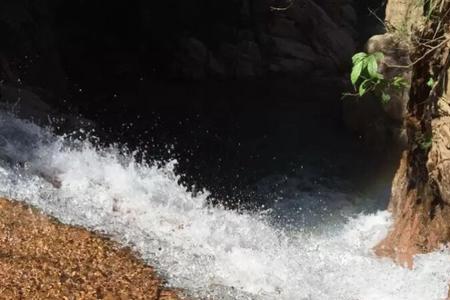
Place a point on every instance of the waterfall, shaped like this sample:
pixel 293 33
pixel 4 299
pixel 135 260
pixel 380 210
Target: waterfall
pixel 210 251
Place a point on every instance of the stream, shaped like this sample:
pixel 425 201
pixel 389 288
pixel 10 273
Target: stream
pixel 312 241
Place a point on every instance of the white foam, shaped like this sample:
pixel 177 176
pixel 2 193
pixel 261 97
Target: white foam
pixel 210 251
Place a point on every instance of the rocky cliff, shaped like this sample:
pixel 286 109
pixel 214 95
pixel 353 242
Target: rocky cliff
pixel 420 200
pixel 238 39
pixel 301 38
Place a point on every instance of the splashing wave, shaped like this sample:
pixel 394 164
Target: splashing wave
pixel 209 251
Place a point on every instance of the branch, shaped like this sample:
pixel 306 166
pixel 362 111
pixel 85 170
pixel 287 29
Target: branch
pixel 274 8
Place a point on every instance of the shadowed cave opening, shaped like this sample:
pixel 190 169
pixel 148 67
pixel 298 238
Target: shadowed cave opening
pixel 236 91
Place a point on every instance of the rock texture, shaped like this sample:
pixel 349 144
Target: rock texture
pixel 420 200
pixel 439 157
pixel 421 222
pixel 301 37
pixel 201 40
pixel 403 14
pixel 42 259
pixel 418 227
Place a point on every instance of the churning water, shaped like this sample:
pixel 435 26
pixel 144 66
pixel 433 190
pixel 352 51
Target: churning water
pixel 209 251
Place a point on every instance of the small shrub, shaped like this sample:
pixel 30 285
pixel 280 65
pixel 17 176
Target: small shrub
pixel 366 78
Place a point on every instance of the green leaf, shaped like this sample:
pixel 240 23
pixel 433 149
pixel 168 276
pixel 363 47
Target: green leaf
pixel 372 66
pixel 385 98
pixel 426 144
pixel 363 88
pixel 380 76
pixel 358 57
pixel 431 82
pixel 399 82
pixel 378 56
pixel 356 72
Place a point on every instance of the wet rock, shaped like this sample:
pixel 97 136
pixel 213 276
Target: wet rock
pixel 419 226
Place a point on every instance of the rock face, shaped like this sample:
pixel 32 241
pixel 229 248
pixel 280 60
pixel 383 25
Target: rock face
pixel 420 200
pixel 76 54
pixel 301 37
pixel 403 14
pixel 238 39
pixel 439 157
pixel 422 222
pixel 42 259
pixel 418 227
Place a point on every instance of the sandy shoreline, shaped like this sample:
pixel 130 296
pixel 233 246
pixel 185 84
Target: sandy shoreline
pixel 43 259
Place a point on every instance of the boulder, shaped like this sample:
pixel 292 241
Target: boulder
pixel 327 38
pixel 286 41
pixel 396 55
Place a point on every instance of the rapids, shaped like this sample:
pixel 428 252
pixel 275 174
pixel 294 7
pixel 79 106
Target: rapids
pixel 209 251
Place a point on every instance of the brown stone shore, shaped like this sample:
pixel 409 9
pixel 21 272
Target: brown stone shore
pixel 41 258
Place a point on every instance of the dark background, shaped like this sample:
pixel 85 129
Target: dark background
pixel 232 89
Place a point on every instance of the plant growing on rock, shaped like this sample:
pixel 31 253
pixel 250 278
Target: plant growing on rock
pixel 420 200
pixel 366 78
